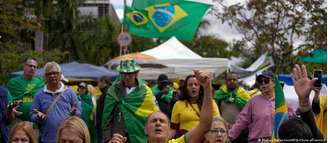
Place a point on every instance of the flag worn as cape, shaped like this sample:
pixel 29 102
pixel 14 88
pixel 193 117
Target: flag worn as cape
pixel 135 106
pixel 240 95
pixel 165 20
pixel 281 110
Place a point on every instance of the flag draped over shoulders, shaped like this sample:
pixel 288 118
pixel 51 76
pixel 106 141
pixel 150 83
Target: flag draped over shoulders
pixel 281 110
pixel 135 106
pixel 241 96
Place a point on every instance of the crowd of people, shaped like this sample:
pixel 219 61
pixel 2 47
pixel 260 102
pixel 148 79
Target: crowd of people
pixel 44 109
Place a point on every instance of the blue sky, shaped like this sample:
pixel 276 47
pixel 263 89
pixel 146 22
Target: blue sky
pixel 118 4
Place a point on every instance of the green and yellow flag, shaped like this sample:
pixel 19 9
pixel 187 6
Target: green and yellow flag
pixel 281 110
pixel 142 4
pixel 160 19
pixel 136 106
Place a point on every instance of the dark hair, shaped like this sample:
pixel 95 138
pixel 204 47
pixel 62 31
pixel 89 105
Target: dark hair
pixel 230 72
pixel 185 93
pixel 294 128
pixel 29 58
pixel 107 79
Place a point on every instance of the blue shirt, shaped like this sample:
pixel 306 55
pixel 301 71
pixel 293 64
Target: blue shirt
pixel 59 112
pixel 4 128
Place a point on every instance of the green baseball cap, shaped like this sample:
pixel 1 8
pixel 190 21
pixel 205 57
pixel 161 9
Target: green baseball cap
pixel 128 66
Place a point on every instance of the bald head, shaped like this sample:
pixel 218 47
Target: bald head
pixel 231 80
pixel 157 114
pixel 158 127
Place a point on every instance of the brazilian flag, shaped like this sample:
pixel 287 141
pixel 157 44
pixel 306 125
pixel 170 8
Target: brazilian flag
pixel 163 20
pixel 281 110
pixel 136 106
pixel 142 4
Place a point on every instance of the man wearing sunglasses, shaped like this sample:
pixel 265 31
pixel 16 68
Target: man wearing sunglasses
pixel 258 114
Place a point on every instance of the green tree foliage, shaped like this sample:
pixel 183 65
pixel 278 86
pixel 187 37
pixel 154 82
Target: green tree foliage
pixel 140 44
pixel 95 40
pixel 209 46
pixel 13 59
pixel 14 26
pixel 61 27
pixel 16 38
pixel 275 25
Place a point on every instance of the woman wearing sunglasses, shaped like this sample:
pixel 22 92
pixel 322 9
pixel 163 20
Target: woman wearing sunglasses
pixel 218 132
pixel 258 114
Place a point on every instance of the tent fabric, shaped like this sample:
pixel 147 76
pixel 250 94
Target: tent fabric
pixel 292 98
pixel 287 79
pixel 142 59
pixel 181 68
pixel 265 61
pixel 172 49
pixel 318 55
pixel 79 70
pixel 180 61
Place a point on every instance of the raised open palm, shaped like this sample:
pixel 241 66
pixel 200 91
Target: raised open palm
pixel 302 84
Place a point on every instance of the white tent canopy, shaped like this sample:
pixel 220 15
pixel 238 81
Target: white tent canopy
pixel 180 61
pixel 172 49
pixel 181 68
pixel 184 67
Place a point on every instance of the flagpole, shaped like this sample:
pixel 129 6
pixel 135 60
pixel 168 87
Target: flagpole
pixel 122 26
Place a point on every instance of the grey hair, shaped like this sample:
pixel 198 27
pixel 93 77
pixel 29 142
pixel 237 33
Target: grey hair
pixel 49 65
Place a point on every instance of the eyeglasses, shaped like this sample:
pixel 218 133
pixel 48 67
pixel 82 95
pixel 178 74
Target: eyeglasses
pixel 263 81
pixel 52 73
pixel 218 130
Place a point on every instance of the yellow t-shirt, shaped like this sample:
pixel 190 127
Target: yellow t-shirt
pixel 321 118
pixel 181 139
pixel 186 116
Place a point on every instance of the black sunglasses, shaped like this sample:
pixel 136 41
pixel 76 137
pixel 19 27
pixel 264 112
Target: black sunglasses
pixel 263 81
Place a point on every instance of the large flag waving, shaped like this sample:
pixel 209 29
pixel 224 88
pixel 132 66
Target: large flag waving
pixel 281 110
pixel 164 20
pixel 142 4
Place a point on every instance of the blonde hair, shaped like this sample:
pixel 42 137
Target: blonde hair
pixel 49 65
pixel 78 126
pixel 27 127
pixel 220 119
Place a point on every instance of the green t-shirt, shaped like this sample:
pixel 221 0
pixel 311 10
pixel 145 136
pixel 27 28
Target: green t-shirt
pixel 24 90
pixel 167 97
pixel 87 107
